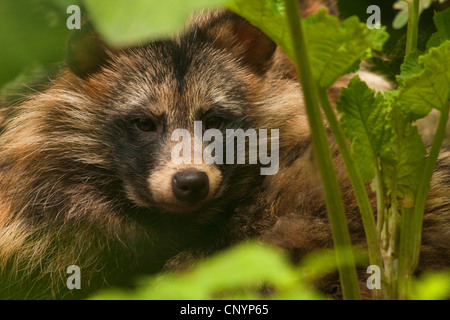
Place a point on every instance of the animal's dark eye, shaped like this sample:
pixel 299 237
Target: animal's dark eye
pixel 146 125
pixel 213 123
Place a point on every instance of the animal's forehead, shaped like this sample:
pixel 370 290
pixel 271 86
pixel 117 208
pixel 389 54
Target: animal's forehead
pixel 169 74
pixel 183 62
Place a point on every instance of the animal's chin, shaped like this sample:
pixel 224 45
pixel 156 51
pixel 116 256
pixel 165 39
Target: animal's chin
pixel 183 208
pixel 175 207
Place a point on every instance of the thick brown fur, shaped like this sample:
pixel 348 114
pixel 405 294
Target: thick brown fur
pixel 80 185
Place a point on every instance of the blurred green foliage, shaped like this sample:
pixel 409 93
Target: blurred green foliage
pixel 390 59
pixel 256 271
pixel 247 271
pixel 32 33
pixel 431 286
pixel 401 19
pixel 124 22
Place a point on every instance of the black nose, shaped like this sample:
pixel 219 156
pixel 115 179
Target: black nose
pixel 190 186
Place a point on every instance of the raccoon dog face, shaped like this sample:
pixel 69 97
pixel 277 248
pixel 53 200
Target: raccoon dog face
pixel 210 74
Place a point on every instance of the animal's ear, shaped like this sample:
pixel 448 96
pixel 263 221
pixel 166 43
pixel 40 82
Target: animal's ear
pixel 87 52
pixel 247 43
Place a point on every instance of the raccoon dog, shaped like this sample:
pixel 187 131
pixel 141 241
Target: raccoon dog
pixel 86 172
pixel 87 176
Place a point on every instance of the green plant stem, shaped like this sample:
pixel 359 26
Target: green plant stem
pixel 409 228
pixel 356 180
pixel 406 259
pixel 380 200
pixel 389 242
pixel 413 25
pixel 411 233
pixel 430 165
pixel 335 206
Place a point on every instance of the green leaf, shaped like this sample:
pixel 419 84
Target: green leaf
pixel 124 23
pixel 321 263
pixel 31 33
pixel 365 118
pixel 269 17
pixel 237 273
pixel 410 66
pixel 442 22
pixel 401 19
pixel 434 41
pixel 431 87
pixel 432 286
pixel 402 168
pixel 334 47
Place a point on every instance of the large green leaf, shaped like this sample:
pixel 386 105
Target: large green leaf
pixel 337 48
pixel 365 119
pixel 402 168
pixel 268 16
pixel 334 48
pixel 410 66
pixel 237 273
pixel 430 88
pixel 442 22
pixel 124 22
